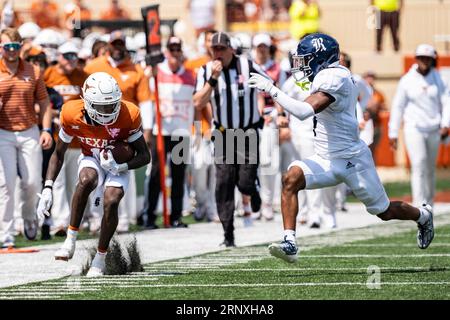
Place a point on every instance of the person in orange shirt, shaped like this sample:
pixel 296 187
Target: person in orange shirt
pixel 45 13
pixel 97 120
pixel 74 12
pixel 21 142
pixel 115 12
pixel 375 106
pixel 67 80
pixel 135 88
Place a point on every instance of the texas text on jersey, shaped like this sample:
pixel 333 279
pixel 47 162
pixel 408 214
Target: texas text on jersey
pixel 93 137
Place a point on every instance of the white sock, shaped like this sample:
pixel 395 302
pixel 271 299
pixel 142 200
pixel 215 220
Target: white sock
pixel 99 258
pixel 424 216
pixel 247 208
pixel 289 235
pixel 72 234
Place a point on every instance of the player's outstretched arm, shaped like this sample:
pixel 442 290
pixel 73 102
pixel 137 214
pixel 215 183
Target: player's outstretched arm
pixel 302 110
pixel 142 157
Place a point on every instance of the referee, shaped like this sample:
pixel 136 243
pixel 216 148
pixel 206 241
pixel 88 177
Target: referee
pixel 222 83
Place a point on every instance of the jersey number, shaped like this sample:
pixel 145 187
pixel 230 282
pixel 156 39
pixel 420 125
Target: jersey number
pixel 314 125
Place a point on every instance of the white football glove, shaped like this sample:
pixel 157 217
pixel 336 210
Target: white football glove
pixel 45 203
pixel 261 83
pixel 110 165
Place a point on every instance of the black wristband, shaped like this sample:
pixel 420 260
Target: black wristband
pixel 212 82
pixel 50 187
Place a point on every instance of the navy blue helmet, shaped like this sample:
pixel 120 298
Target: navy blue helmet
pixel 315 52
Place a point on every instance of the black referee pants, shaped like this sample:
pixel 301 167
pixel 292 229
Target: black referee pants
pixel 229 175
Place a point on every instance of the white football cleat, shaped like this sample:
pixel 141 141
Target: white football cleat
pixel 425 234
pixel 67 250
pixel 95 272
pixel 98 267
pixel 285 250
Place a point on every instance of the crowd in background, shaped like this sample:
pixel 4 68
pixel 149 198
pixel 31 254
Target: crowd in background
pixel 62 62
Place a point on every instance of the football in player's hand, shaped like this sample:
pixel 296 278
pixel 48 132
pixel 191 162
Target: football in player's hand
pixel 122 151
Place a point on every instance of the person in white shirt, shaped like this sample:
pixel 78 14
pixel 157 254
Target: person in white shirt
pixel 341 156
pixel 422 102
pixel 175 87
pixel 275 145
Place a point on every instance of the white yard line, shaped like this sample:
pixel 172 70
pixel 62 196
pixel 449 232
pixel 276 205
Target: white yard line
pixel 351 256
pixel 301 284
pixel 386 269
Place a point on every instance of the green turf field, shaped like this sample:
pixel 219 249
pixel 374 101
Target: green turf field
pixel 324 271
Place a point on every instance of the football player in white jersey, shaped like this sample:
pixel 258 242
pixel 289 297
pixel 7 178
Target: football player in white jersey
pixel 341 156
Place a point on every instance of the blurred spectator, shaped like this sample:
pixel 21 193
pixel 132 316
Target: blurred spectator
pixel 252 10
pixel 84 56
pixel 74 12
pixel 20 142
pixel 305 16
pixel 135 88
pixel 203 14
pixel 235 11
pixel 205 48
pixel 29 31
pixel 422 102
pixel 49 40
pixel 99 49
pixel 176 86
pixel 45 13
pixel 272 113
pixel 9 17
pixel 375 106
pixel 67 79
pixel 36 56
pixel 389 16
pixel 115 12
pixel 280 10
pixel 203 170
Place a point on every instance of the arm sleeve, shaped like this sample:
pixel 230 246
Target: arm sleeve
pixel 397 110
pixel 299 109
pixel 65 133
pixel 135 131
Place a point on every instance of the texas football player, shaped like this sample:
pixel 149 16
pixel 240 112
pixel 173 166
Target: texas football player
pixel 97 120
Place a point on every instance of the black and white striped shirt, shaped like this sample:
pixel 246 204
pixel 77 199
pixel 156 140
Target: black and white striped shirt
pixel 234 104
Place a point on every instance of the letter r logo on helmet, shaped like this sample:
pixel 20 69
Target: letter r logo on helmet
pixel 318 44
pixel 102 95
pixel 314 53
